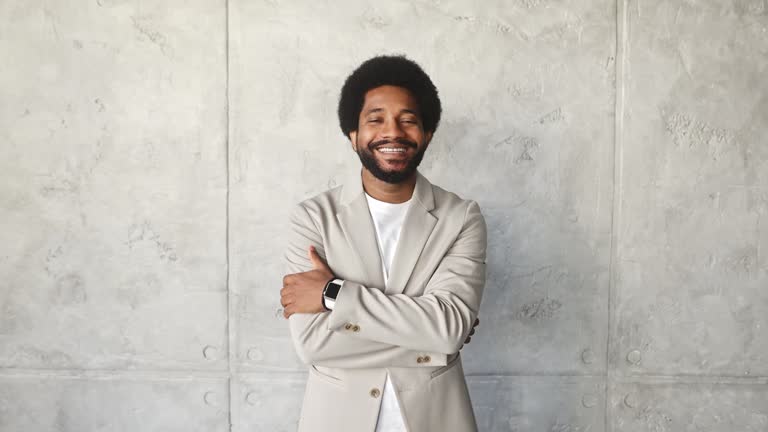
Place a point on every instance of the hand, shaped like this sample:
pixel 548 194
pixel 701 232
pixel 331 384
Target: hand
pixel 302 292
pixel 471 332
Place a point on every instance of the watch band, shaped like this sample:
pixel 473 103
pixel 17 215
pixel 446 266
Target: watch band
pixel 322 295
pixel 330 292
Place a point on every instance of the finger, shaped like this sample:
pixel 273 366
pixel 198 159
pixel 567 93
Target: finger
pixel 471 332
pixel 477 321
pixel 286 300
pixel 468 339
pixel 317 262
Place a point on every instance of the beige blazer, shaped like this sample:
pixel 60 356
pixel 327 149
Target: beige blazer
pixel 414 329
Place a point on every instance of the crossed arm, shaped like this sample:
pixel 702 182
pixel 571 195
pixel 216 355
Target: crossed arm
pixel 395 330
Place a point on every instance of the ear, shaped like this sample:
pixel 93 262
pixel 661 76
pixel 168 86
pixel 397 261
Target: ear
pixel 353 140
pixel 428 138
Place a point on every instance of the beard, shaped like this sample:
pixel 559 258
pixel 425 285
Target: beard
pixel 395 176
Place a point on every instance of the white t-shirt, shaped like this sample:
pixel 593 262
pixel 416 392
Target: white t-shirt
pixel 388 219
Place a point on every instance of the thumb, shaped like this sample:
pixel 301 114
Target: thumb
pixel 317 261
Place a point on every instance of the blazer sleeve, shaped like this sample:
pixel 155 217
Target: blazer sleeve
pixel 440 319
pixel 313 341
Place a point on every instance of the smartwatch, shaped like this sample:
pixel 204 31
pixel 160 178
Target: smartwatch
pixel 330 292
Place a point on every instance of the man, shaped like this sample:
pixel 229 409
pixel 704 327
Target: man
pixel 386 271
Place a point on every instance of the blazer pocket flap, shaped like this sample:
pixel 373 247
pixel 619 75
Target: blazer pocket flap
pixel 443 369
pixel 326 376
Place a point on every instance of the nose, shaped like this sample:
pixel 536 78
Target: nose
pixel 392 129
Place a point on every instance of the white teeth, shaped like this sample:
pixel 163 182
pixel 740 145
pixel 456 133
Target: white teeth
pixel 392 150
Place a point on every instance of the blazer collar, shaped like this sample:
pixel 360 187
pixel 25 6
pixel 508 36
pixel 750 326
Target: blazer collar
pixel 356 222
pixel 353 188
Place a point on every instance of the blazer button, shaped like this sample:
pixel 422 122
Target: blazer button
pixel 355 328
pixel 375 392
pixel 427 359
pixel 420 359
pixel 348 326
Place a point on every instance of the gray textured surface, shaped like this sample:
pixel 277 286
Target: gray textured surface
pixel 666 405
pixel 152 152
pixel 89 402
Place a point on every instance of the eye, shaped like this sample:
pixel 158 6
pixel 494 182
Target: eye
pixel 374 120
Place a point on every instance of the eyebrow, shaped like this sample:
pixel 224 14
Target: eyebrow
pixel 405 110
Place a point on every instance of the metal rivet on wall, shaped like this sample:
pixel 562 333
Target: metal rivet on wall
pixel 252 398
pixel 630 400
pixel 589 400
pixel 587 356
pixel 634 357
pixel 255 354
pixel 210 352
pixel 210 398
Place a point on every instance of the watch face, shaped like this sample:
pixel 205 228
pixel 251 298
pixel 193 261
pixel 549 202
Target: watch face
pixel 333 290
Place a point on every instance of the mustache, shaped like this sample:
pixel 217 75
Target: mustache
pixel 402 141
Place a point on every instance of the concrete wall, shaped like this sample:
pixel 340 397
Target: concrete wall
pixel 151 152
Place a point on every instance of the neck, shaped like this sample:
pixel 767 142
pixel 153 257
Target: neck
pixel 388 192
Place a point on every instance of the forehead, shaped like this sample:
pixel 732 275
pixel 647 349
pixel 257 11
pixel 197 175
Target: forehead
pixel 389 97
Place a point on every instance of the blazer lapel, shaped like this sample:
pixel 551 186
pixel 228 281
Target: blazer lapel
pixel 356 222
pixel 417 226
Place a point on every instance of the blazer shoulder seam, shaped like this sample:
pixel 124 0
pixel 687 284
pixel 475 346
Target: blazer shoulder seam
pixel 309 215
pixel 466 211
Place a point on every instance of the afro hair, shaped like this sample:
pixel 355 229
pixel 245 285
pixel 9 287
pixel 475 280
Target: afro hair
pixel 394 70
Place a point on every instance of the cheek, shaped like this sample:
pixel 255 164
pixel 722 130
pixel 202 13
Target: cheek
pixel 416 136
pixel 364 137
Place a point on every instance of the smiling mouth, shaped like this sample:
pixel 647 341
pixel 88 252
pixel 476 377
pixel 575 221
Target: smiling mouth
pixel 392 150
